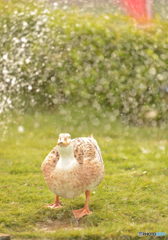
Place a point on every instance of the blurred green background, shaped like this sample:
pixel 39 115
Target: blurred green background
pixel 51 56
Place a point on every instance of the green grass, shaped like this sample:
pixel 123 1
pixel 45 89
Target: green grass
pixel 133 196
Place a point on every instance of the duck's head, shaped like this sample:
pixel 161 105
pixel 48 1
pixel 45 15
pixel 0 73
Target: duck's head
pixel 64 140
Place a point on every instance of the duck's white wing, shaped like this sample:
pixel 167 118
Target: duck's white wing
pixel 97 149
pixel 86 148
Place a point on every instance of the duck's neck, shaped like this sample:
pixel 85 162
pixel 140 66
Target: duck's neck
pixel 67 159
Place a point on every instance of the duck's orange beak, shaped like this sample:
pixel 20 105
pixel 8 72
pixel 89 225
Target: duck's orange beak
pixel 62 142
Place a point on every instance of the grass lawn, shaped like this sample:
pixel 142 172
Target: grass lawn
pixel 133 196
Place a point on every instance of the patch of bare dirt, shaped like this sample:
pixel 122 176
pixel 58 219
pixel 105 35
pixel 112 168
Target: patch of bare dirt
pixel 52 226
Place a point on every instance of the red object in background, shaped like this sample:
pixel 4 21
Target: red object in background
pixel 138 9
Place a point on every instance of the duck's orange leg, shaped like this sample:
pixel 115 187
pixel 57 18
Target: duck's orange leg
pixel 85 210
pixel 56 203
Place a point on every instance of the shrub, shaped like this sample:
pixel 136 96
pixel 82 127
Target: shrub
pixel 50 57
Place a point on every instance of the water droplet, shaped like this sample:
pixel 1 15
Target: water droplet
pixel 30 88
pixel 25 24
pixel 23 39
pixel 27 60
pixel 21 129
pixel 5 56
pixel 162 148
pixel 152 71
pixel 95 122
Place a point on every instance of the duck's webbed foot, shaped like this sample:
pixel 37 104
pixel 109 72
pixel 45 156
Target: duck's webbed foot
pixel 55 205
pixel 83 211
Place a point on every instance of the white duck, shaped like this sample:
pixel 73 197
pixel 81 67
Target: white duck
pixel 72 167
